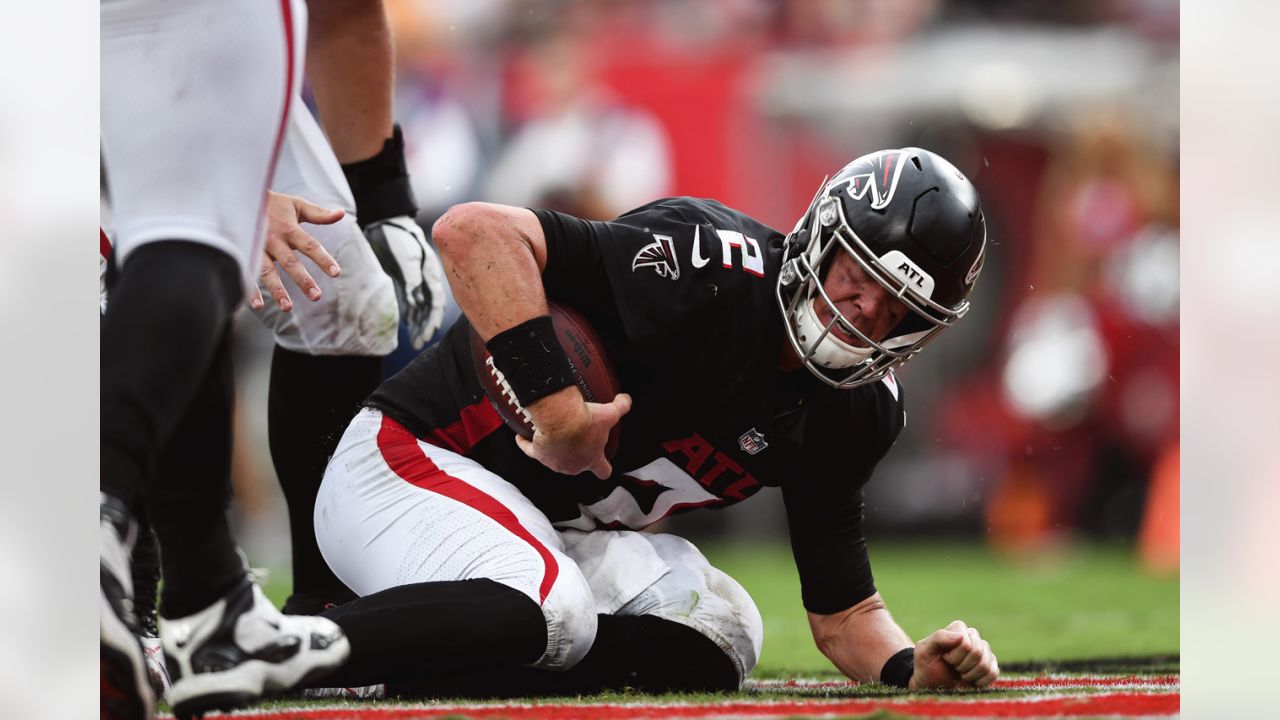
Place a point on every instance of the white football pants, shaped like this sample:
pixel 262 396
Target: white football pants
pixel 395 510
pixel 195 97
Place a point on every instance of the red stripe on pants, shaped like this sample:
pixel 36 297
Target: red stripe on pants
pixel 406 459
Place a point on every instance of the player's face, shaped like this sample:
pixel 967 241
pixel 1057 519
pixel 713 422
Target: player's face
pixel 863 301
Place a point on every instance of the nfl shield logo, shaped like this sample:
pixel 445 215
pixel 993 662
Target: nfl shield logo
pixel 752 442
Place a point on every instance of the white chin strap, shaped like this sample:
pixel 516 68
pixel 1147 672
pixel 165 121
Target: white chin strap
pixel 832 353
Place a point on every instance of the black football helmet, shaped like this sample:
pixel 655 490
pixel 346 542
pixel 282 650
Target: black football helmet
pixel 914 223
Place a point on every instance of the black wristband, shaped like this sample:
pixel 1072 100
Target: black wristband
pixel 380 184
pixel 532 360
pixel 897 670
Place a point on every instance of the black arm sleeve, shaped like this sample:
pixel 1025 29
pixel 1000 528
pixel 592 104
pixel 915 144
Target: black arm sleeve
pixel 829 547
pixel 575 274
pixel 846 435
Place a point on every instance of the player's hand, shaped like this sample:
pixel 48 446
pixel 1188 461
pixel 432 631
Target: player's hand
pixel 954 657
pixel 571 434
pixel 285 213
pixel 402 249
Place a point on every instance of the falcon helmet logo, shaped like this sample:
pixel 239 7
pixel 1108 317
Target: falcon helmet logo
pixel 977 266
pixel 659 255
pixel 752 442
pixel 876 177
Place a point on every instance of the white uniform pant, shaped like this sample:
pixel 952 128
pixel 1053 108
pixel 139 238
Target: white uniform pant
pixel 395 510
pixel 195 96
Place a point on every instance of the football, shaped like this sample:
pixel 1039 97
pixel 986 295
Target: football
pixel 593 372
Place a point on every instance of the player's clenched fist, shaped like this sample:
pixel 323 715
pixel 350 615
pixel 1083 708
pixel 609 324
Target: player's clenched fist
pixel 954 657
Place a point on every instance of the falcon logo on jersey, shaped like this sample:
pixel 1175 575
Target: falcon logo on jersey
pixel 879 178
pixel 752 442
pixel 659 255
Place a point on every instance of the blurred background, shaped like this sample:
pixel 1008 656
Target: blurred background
pixel 1046 422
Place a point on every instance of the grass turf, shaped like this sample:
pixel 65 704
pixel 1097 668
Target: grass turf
pixel 1078 602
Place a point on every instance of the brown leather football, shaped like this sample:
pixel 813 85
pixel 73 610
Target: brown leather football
pixel 593 370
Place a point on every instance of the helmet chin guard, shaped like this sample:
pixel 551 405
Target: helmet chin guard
pixel 830 351
pixel 926 249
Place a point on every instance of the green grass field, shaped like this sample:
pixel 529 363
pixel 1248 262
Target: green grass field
pixel 1080 602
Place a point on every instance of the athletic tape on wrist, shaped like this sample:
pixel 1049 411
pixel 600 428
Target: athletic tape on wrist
pixel 380 184
pixel 897 670
pixel 532 360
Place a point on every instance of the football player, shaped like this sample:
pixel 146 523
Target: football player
pixel 749 358
pixel 337 337
pixel 195 103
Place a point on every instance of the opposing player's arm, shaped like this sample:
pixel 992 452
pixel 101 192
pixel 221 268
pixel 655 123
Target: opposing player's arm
pixel 350 63
pixel 493 258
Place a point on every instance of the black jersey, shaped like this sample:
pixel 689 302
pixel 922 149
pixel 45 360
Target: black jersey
pixel 681 292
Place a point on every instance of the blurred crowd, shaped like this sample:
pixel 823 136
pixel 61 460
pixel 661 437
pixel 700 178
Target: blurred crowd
pixel 1052 410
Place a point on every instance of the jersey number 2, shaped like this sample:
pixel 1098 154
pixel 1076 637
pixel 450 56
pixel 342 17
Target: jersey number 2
pixel 752 257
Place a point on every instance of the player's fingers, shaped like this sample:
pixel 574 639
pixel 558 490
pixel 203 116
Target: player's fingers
pixel 275 288
pixel 977 671
pixel 977 648
pixel 289 261
pixel 980 667
pixel 939 642
pixel 255 296
pixel 985 673
pixel 312 213
pixel 622 403
pixel 526 446
pixel 303 242
pixel 957 625
pixel 958 651
pixel 992 674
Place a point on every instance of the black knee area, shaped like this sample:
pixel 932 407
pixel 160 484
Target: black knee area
pixel 178 269
pixel 418 631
